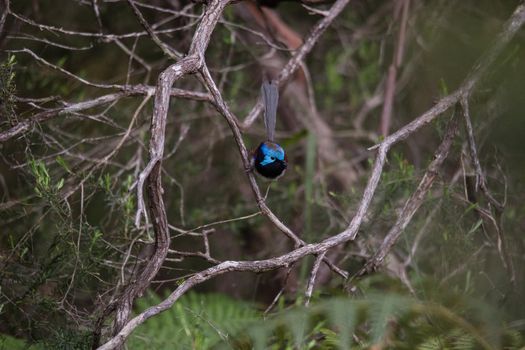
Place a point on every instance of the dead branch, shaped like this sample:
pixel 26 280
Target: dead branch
pixel 390 86
pixel 415 201
pixel 26 125
pixel 230 118
pixel 313 276
pixel 169 51
pixel 511 27
pixel 295 61
pixel 5 11
pixel 152 173
pixel 496 211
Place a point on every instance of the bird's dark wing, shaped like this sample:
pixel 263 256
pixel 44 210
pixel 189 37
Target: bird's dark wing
pixel 270 94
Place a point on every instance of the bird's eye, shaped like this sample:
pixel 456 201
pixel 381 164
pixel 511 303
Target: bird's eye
pixel 272 158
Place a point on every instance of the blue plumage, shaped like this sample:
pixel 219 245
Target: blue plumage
pixel 269 158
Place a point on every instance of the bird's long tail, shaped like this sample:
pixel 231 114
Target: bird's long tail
pixel 270 94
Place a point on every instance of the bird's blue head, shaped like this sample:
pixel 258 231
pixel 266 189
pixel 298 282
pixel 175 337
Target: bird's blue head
pixel 270 160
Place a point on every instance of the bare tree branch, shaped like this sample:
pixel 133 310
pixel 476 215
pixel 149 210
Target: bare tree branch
pixel 169 51
pixel 152 172
pixel 151 210
pixel 351 231
pixel 415 201
pixel 126 90
pixel 5 12
pixel 495 215
pixel 313 276
pixel 295 61
pixel 245 156
pixel 390 86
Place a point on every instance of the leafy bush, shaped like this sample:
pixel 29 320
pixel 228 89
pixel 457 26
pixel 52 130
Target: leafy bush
pixel 378 321
pixel 196 321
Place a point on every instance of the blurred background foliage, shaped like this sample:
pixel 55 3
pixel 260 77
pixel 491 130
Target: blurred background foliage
pixel 68 240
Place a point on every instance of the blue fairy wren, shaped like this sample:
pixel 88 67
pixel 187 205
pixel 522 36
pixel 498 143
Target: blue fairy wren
pixel 269 158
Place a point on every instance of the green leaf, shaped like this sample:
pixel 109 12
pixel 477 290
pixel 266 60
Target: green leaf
pixel 433 343
pixel 60 184
pixel 61 161
pixel 343 315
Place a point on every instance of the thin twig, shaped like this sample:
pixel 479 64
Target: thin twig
pixel 5 12
pixel 230 118
pixel 126 90
pixel 415 201
pixel 169 51
pixel 481 182
pixel 295 61
pixel 313 275
pixel 390 86
pixel 153 170
pixel 278 295
pixel 511 27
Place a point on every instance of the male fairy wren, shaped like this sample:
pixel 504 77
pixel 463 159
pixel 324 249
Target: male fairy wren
pixel 269 158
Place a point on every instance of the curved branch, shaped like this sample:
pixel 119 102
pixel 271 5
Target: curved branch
pixel 294 62
pixel 152 173
pixel 511 27
pixel 27 124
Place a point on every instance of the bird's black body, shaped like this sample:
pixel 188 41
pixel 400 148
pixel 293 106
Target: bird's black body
pixel 269 159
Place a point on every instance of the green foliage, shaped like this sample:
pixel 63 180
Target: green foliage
pixel 196 321
pixel 61 339
pixel 43 186
pixel 11 343
pixel 396 321
pixel 399 178
pixel 68 339
pixel 46 263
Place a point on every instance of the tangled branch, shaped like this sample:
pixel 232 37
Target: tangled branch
pixel 152 210
pixel 511 27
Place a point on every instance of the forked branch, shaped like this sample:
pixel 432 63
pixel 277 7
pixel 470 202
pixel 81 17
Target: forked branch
pixel 511 27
